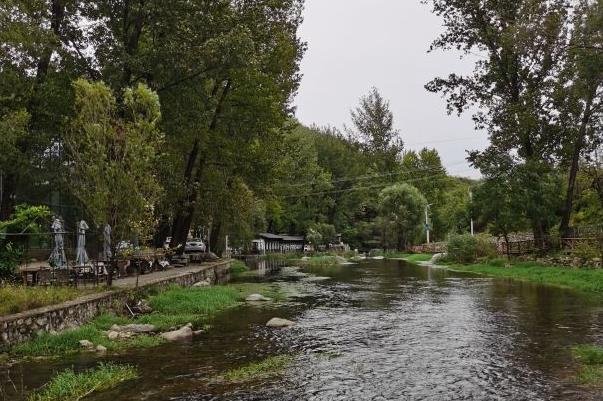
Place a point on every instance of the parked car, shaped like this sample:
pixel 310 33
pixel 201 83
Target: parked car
pixel 194 246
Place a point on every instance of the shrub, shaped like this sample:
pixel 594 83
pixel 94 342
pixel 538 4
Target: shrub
pixel 485 247
pixel 462 248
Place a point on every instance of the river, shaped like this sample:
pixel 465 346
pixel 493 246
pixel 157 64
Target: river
pixel 378 330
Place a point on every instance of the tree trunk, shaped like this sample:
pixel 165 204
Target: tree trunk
pixel 214 238
pixel 186 208
pixel 8 188
pixel 564 229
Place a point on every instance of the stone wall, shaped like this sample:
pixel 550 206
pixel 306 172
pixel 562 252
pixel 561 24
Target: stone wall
pixel 29 324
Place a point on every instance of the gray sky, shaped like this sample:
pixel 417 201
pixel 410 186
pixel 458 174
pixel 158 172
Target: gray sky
pixel 356 44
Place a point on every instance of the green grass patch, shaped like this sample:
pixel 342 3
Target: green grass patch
pixel 67 342
pixel 270 290
pixel 18 298
pixel 258 370
pixel 238 268
pixel 71 386
pixel 590 358
pixel 584 280
pixel 323 260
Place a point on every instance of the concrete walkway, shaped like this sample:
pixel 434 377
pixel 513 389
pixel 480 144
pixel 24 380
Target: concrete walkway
pixel 146 279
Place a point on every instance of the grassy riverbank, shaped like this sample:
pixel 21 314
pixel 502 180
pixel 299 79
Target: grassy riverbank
pixel 71 386
pixel 590 358
pixel 584 280
pixel 172 309
pixel 18 298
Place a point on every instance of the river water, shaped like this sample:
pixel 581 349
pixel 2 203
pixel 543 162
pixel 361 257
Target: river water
pixel 378 330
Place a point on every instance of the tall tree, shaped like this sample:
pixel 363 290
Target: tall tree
pixel 523 44
pixel 401 207
pixel 580 97
pixel 113 158
pixel 374 127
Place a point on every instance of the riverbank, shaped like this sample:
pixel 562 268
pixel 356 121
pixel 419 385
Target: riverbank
pixel 588 281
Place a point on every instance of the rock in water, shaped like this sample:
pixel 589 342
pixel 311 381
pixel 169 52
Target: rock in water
pixel 278 322
pixel 101 349
pixel 183 334
pixel 134 328
pixel 86 344
pixel 257 298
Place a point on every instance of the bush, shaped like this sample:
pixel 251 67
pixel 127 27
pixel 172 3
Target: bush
pixel 462 248
pixel 485 247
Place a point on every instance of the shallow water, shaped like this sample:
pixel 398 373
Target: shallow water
pixel 379 330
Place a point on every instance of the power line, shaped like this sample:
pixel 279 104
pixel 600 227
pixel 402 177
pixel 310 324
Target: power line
pixel 372 176
pixel 434 177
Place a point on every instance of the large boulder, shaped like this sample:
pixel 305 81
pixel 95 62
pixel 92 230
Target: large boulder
pixel 257 298
pixel 183 334
pixel 134 328
pixel 279 323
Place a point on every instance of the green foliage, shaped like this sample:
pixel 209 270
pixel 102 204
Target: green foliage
pixel 237 268
pixel 17 298
pixel 258 370
pixel 25 220
pixel 114 159
pixel 401 207
pixel 591 361
pixel 462 248
pixel 585 280
pixel 71 386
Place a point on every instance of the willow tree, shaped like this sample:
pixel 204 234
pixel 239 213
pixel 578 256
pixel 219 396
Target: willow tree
pixel 113 153
pixel 401 208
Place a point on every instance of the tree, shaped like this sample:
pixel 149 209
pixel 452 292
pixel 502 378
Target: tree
pixel 374 124
pixel 523 44
pixel 401 207
pixel 113 158
pixel 579 96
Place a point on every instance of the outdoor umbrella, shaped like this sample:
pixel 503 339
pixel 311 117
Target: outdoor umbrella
pixel 81 258
pixel 57 258
pixel 107 243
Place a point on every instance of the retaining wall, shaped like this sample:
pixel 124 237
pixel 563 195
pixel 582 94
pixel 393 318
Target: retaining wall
pixel 29 324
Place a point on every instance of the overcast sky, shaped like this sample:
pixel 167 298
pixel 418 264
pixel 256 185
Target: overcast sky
pixel 356 44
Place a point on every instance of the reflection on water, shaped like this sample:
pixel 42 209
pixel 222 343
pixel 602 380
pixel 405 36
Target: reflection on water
pixel 377 331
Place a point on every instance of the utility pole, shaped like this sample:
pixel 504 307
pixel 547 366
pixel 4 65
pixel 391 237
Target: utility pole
pixel 471 201
pixel 427 227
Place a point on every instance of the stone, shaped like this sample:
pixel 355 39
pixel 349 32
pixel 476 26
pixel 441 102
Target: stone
pixel 86 344
pixel 113 335
pixel 134 328
pixel 197 332
pixel 101 349
pixel 279 323
pixel 183 334
pixel 202 283
pixel 257 298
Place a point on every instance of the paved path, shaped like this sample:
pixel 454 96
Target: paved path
pixel 130 282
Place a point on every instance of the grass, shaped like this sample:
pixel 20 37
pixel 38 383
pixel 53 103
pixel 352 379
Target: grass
pixel 67 342
pixel 17 298
pixel 323 260
pixel 178 306
pixel 411 257
pixel 173 308
pixel 266 368
pixel 71 386
pixel 238 268
pixel 590 358
pixel 584 280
